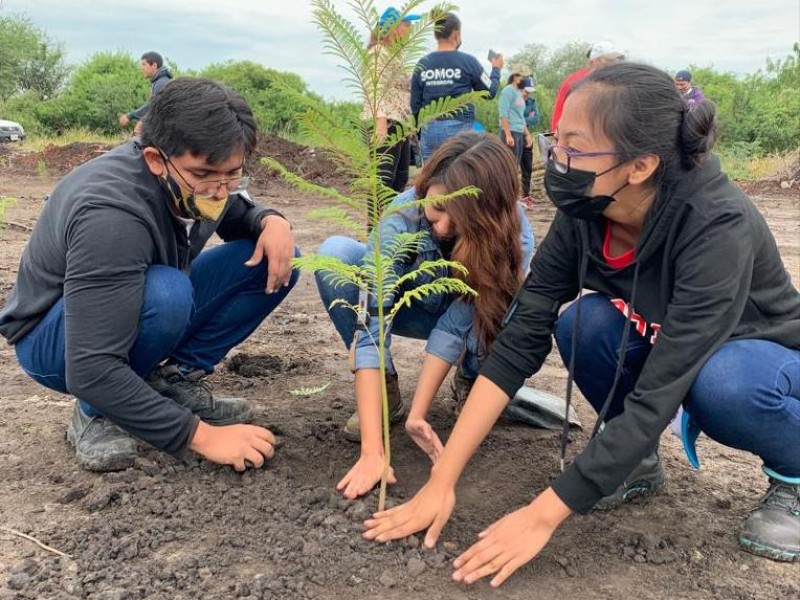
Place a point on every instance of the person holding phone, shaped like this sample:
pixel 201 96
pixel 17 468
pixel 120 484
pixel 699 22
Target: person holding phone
pixel 448 72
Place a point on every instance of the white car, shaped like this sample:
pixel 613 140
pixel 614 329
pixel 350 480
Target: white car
pixel 11 131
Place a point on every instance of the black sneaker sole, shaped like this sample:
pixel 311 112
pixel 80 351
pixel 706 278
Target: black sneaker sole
pixel 244 417
pixel 639 489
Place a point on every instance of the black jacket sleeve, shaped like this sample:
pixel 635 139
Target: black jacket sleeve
pixel 108 253
pixel 713 271
pixel 242 218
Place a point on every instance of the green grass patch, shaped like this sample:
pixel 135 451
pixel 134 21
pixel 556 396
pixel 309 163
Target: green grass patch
pixel 40 142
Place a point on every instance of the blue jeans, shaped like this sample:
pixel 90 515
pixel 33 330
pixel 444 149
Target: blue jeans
pixel 194 320
pixel 747 396
pixel 436 133
pixel 411 321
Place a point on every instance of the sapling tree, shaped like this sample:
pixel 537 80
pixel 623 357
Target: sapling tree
pixel 359 149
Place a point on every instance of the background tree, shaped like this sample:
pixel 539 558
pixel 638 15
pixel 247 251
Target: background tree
pixel 29 60
pixel 106 85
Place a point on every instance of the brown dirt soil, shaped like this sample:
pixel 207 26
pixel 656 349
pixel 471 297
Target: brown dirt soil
pixel 55 160
pixel 165 529
pixel 306 162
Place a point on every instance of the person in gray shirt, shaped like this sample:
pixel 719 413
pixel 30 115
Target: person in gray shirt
pixel 115 304
pixel 151 64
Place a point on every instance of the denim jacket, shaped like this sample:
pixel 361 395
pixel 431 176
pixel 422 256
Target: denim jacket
pixel 452 334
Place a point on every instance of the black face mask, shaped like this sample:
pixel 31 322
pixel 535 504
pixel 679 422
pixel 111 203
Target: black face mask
pixel 568 191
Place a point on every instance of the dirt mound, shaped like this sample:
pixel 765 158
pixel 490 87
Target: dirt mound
pixel 54 159
pixel 309 163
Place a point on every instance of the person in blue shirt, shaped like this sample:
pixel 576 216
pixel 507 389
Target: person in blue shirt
pixel 488 234
pixel 511 109
pixel 447 72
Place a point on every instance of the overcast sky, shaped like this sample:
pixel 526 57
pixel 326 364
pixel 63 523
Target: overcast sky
pixel 730 35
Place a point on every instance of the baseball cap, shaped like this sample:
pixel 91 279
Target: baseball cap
pixel 605 49
pixel 683 75
pixel 391 16
pixel 529 85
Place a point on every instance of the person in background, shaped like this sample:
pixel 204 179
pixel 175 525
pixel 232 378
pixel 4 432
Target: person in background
pixel 690 94
pixel 448 72
pixel 489 235
pixel 152 67
pixel 393 104
pixel 645 220
pixel 116 304
pixel 599 55
pixel 511 110
pixel 532 118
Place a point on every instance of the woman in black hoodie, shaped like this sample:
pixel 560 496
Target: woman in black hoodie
pixel 691 293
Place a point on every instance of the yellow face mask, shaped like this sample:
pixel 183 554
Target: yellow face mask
pixel 197 207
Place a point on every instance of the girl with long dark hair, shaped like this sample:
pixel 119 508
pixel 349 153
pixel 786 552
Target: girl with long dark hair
pixel 488 234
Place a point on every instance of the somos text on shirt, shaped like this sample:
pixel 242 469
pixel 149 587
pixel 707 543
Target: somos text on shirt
pixel 445 76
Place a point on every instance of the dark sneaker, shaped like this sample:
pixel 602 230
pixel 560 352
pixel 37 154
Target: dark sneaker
pixel 645 480
pixel 99 444
pixel 461 387
pixel 773 529
pixel 190 390
pixel 352 429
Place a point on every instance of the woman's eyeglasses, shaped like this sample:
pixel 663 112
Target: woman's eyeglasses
pixel 559 156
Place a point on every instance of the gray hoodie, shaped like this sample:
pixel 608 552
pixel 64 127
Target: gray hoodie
pixel 157 83
pixel 103 226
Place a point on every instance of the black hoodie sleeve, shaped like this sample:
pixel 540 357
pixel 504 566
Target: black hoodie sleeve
pixel 242 218
pixel 525 341
pixel 108 253
pixel 713 264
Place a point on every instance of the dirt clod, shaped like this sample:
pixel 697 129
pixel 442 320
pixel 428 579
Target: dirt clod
pixel 388 579
pixel 415 567
pixel 19 581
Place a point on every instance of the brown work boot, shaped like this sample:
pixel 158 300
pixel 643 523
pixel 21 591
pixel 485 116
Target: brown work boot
pixel 352 429
pixel 461 387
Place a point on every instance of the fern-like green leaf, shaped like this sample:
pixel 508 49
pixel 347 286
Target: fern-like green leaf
pixel 340 217
pixel 431 200
pixel 432 268
pixel 310 391
pixel 446 285
pixel 443 108
pixel 333 270
pixel 302 184
pixel 402 247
